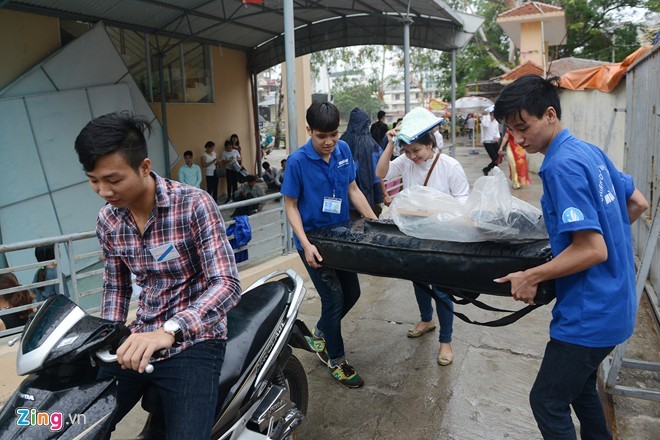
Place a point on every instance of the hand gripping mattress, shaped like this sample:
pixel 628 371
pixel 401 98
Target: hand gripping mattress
pixel 379 248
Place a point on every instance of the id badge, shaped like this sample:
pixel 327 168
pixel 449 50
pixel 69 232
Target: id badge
pixel 164 253
pixel 332 205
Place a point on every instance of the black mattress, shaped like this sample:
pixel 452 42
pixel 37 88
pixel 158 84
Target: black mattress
pixel 379 248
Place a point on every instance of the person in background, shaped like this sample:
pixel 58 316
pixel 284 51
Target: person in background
pixel 270 177
pixel 588 207
pixel 248 190
pixel 235 143
pixel 423 164
pixel 47 273
pixel 470 122
pixel 319 183
pixel 11 300
pixel 517 160
pixel 231 161
pixel 190 173
pixel 209 159
pixel 172 237
pixel 379 128
pixel 490 136
pixel 281 172
pixel 366 152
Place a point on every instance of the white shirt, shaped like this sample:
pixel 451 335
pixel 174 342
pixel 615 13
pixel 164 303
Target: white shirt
pixel 448 175
pixel 232 155
pixel 490 129
pixel 209 169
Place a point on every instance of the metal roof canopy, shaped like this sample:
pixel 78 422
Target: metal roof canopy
pixel 258 30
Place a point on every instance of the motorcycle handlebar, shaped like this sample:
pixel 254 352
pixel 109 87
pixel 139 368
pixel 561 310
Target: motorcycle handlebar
pixel 105 356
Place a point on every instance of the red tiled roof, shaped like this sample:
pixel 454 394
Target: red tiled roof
pixel 523 69
pixel 530 8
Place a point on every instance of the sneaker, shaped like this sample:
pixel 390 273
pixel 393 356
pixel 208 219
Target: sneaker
pixel 346 375
pixel 318 345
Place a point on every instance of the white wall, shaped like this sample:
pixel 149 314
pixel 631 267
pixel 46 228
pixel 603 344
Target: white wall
pixel 589 115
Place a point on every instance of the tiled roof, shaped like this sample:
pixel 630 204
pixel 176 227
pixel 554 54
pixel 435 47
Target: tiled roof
pixel 564 65
pixel 530 8
pixel 524 69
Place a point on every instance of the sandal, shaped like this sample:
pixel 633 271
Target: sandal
pixel 416 333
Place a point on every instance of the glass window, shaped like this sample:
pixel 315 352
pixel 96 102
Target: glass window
pixel 187 75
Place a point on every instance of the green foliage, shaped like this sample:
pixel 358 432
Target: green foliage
pixel 358 95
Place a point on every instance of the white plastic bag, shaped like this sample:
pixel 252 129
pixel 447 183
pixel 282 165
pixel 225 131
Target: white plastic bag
pixel 489 214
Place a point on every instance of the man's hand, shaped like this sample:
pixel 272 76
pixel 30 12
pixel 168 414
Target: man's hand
pixel 312 256
pixel 523 288
pixel 137 349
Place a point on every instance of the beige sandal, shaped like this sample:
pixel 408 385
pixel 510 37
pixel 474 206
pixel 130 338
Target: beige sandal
pixel 416 333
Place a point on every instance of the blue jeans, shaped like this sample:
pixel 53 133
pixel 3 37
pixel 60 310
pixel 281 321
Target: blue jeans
pixel 187 384
pixel 339 291
pixel 445 316
pixel 567 377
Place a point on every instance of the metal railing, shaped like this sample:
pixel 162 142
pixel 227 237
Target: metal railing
pixel 271 236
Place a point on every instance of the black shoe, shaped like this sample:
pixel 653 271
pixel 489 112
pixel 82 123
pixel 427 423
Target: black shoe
pixel 485 170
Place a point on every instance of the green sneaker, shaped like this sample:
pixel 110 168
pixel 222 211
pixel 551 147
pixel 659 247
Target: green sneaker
pixel 318 345
pixel 346 375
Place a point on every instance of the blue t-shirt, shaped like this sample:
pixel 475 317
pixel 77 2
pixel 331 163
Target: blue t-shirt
pixel 583 190
pixel 310 179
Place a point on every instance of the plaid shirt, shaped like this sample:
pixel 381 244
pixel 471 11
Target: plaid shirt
pixel 183 263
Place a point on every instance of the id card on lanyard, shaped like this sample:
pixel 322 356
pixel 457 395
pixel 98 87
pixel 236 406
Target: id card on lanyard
pixel 332 205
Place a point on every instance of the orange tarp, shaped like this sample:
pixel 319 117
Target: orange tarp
pixel 604 78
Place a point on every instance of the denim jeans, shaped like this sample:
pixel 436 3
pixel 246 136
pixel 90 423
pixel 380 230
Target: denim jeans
pixel 567 377
pixel 339 291
pixel 187 384
pixel 445 315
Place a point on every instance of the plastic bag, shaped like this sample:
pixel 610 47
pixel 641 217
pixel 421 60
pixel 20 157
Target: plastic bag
pixel 489 214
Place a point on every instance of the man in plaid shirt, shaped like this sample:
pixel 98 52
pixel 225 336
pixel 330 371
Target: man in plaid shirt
pixel 172 237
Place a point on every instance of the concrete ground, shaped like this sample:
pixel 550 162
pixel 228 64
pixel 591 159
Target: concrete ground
pixel 481 396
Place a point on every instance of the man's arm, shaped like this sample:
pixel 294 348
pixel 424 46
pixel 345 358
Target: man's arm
pixel 637 204
pixel 182 176
pixel 312 255
pixel 359 201
pixel 587 249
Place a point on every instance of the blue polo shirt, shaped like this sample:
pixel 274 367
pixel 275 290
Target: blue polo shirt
pixel 310 179
pixel 583 190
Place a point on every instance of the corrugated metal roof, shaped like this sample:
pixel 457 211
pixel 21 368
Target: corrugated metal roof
pixel 258 30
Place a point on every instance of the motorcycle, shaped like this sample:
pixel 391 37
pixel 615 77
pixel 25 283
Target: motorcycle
pixel 263 391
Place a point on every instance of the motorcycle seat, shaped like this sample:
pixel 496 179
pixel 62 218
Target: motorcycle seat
pixel 249 325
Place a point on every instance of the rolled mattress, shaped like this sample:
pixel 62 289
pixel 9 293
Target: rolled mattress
pixel 379 248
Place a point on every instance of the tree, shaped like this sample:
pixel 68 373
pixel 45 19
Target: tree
pixel 358 95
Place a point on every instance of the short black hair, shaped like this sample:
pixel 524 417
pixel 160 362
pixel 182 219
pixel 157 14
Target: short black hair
pixel 381 114
pixel 118 132
pixel 187 153
pixel 266 165
pixel 283 161
pixel 322 116
pixel 228 143
pixel 531 93
pixel 251 178
pixel 209 144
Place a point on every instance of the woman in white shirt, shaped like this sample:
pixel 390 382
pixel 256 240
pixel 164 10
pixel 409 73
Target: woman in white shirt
pixel 422 162
pixel 209 160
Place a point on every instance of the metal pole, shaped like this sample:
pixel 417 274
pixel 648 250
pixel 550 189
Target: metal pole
pixel 452 151
pixel 406 61
pixel 163 116
pixel 290 62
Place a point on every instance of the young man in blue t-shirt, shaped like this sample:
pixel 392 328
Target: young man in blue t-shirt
pixel 588 206
pixel 318 184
